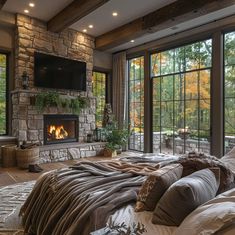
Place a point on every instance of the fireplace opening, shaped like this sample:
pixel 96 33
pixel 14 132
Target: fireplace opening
pixel 60 129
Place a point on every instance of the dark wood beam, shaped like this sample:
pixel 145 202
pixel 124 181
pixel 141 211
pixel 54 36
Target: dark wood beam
pixel 7 19
pixel 72 13
pixel 2 2
pixel 113 38
pixel 165 17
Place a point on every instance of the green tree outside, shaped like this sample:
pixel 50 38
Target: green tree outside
pixel 99 91
pixel 181 90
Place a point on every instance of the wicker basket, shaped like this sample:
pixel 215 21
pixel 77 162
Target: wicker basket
pixel 27 156
pixel 8 153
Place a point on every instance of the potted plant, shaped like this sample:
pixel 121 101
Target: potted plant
pixel 115 137
pixel 184 133
pixel 168 136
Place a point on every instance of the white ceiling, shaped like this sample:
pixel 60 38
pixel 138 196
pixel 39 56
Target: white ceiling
pixel 103 20
pixel 128 10
pixel 43 10
pixel 228 11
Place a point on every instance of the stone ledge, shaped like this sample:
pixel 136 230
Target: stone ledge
pixel 25 91
pixel 6 138
pixel 68 145
pixel 69 151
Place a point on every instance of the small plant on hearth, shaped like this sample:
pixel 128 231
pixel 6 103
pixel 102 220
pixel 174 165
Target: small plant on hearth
pixel 115 136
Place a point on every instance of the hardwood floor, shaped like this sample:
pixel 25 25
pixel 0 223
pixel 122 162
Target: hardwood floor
pixel 15 175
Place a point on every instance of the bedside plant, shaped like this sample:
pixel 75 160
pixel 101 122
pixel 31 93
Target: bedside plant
pixel 115 137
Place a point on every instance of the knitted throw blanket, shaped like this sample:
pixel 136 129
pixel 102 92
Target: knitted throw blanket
pixel 69 201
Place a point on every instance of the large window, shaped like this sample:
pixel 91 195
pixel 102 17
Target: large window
pixel 99 91
pixel 229 90
pixel 3 77
pixel 181 98
pixel 136 103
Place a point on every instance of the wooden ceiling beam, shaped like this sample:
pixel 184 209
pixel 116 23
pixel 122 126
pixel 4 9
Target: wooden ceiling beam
pixel 2 2
pixel 163 18
pixel 72 13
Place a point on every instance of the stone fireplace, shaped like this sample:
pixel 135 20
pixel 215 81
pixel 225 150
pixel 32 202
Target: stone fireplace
pixel 60 128
pixel 27 120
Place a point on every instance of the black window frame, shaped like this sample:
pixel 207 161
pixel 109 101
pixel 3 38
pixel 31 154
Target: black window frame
pixel 128 104
pixel 174 46
pixel 224 32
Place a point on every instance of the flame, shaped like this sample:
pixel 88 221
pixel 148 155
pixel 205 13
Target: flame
pixel 57 132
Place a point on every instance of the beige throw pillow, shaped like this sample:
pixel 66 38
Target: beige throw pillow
pixel 155 186
pixel 216 216
pixel 184 196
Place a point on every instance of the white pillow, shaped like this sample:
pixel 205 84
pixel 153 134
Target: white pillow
pixel 210 217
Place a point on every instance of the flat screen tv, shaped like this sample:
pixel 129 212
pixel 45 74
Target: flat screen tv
pixel 59 73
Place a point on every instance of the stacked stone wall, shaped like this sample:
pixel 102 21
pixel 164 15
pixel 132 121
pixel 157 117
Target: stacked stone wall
pixel 32 35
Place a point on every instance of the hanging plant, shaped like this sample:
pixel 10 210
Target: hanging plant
pixel 78 103
pixel 45 100
pixel 64 103
pixel 53 99
pixel 75 106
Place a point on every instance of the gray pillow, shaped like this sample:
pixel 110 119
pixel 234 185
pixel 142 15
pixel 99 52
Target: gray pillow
pixel 155 186
pixel 184 196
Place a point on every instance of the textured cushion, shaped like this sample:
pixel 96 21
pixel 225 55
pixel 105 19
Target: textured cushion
pixel 230 154
pixel 216 216
pixel 184 196
pixel 155 186
pixel 195 162
pixel 229 160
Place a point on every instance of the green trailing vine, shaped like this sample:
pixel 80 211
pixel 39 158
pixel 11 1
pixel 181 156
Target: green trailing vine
pixel 53 99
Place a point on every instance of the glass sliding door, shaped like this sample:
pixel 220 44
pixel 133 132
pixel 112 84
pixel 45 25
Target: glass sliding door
pixel 181 98
pixel 136 103
pixel 3 94
pixel 229 91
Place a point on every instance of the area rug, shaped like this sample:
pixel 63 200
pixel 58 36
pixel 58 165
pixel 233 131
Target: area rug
pixel 12 198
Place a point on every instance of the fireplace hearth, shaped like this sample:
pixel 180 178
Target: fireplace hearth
pixel 60 128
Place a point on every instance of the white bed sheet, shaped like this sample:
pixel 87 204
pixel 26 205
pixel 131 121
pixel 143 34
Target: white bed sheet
pixel 129 216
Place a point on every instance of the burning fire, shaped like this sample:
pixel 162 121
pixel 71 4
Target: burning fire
pixel 57 132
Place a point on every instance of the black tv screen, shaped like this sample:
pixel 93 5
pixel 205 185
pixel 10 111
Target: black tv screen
pixel 59 73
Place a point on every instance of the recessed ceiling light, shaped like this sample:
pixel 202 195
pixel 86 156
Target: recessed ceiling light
pixel 90 26
pixel 115 14
pixel 26 11
pixel 132 41
pixel 31 4
pixel 84 30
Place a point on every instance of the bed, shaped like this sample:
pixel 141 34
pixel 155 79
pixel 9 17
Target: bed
pixel 89 197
